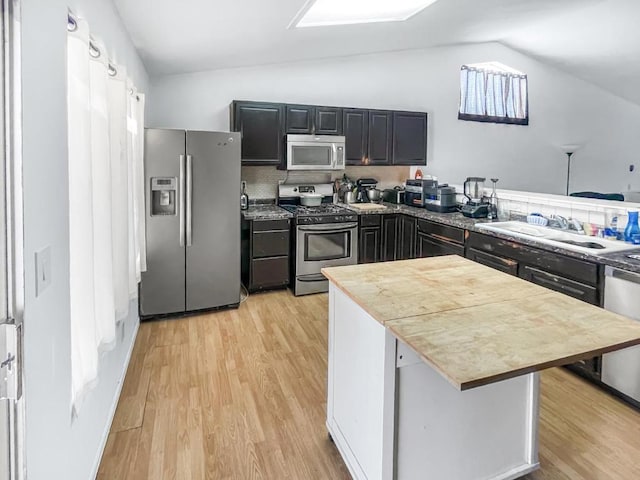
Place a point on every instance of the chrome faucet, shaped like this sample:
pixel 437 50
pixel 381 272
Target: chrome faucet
pixel 576 225
pixel 558 221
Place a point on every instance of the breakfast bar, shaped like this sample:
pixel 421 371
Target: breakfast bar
pixel 433 366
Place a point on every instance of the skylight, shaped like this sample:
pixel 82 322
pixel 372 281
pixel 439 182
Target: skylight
pixel 318 13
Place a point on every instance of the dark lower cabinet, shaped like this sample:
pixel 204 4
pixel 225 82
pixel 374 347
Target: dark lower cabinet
pixel 406 239
pixel 428 246
pixel 265 254
pixel 369 245
pixel 572 276
pixel 389 236
pixel 369 238
pixel 505 265
pixel 574 289
pixel 435 239
pixel 262 129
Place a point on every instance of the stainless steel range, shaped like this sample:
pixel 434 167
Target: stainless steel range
pixel 325 235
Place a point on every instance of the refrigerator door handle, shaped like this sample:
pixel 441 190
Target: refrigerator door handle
pixel 182 200
pixel 189 202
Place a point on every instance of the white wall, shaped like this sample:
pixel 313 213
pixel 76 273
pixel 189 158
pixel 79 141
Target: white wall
pixel 564 110
pixel 56 446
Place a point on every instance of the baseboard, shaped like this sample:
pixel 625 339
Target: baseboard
pixel 105 434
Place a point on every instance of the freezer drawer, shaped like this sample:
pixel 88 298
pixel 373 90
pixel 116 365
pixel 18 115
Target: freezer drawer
pixel 621 369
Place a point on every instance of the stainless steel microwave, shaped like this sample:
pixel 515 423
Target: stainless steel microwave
pixel 315 152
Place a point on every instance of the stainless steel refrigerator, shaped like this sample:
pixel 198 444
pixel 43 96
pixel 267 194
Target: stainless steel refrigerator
pixel 192 208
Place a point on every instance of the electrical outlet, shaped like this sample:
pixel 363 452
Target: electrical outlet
pixel 43 270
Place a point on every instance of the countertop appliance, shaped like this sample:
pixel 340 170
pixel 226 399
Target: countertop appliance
pixel 429 194
pixel 315 152
pixel 477 205
pixel 324 236
pixel 364 184
pixel 393 195
pixel 621 369
pixel 192 221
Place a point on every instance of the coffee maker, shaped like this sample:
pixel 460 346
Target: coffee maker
pixel 477 205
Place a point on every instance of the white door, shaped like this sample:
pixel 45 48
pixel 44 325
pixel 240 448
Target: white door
pixel 11 400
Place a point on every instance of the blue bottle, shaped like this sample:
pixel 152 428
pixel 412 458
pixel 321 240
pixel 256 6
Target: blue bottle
pixel 632 231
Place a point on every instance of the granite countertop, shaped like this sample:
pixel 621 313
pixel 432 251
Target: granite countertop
pixel 618 259
pixel 476 325
pixel 265 211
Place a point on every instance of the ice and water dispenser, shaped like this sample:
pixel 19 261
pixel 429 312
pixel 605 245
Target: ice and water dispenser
pixel 163 195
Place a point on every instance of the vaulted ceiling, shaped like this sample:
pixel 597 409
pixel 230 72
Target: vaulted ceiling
pixel 597 40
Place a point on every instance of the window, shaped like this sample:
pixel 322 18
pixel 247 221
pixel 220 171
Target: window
pixel 493 92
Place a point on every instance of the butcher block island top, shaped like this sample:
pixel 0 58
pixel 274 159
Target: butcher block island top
pixel 475 325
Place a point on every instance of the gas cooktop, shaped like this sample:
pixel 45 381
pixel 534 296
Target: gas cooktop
pixel 324 209
pixel 325 213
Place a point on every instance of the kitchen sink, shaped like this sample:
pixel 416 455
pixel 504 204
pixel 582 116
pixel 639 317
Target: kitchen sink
pixel 558 238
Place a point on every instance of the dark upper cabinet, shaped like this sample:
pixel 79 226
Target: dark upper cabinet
pixel 328 121
pixel 300 119
pixel 355 123
pixel 373 137
pixel 309 119
pixel 409 138
pixel 380 135
pixel 262 129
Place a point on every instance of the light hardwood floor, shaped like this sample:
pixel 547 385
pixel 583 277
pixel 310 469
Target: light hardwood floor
pixel 240 394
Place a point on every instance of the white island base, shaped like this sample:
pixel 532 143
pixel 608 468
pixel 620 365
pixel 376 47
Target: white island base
pixel 392 416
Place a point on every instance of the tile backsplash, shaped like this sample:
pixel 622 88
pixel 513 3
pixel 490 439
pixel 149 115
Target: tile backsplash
pixel 597 212
pixel 262 182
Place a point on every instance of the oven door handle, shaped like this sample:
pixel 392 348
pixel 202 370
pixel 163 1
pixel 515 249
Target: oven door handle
pixel 343 227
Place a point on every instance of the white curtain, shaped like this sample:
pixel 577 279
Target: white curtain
pixel 498 96
pixel 117 90
pixel 101 186
pixel 84 354
pixel 106 201
pixel 135 153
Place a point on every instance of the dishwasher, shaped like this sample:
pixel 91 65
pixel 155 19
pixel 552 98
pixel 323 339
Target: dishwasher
pixel 621 369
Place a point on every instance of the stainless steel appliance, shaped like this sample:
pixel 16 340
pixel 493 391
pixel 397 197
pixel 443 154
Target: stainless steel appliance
pixel 393 195
pixel 429 194
pixel 192 221
pixel 315 152
pixel 324 236
pixel 477 205
pixel 621 369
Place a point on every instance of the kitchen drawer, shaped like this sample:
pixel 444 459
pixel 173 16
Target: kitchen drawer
pixel 578 290
pixel 269 272
pixel 580 270
pixel 428 246
pixel 270 243
pixel 505 265
pixel 444 232
pixel 370 220
pixel 266 225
